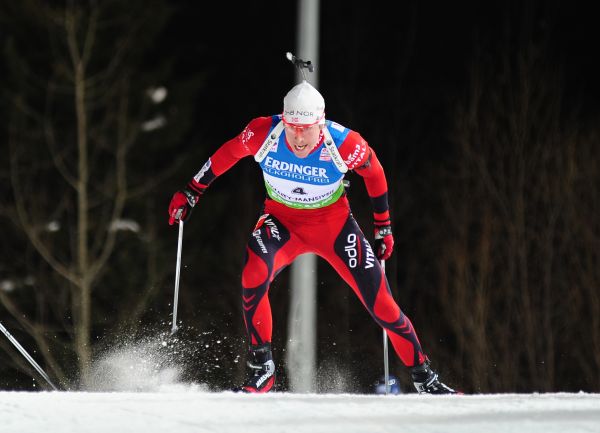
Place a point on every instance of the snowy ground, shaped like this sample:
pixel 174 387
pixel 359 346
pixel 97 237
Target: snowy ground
pixel 187 409
pixel 138 387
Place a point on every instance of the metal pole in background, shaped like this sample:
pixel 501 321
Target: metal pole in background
pixel 386 365
pixel 26 356
pixel 301 354
pixel 177 273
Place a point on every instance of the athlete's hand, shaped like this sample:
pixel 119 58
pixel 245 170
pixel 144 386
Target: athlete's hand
pixel 181 205
pixel 384 240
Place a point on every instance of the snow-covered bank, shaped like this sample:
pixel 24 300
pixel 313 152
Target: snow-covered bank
pixel 188 409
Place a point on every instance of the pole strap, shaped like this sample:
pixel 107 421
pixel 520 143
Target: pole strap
pixel 334 152
pixel 268 144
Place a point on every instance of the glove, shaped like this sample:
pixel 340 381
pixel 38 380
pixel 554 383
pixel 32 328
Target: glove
pixel 384 239
pixel 181 205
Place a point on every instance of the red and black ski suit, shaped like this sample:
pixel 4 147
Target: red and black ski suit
pixel 331 232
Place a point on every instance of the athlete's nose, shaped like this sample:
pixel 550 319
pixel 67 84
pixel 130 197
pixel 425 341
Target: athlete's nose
pixel 299 132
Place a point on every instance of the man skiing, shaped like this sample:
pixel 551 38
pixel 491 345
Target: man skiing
pixel 304 158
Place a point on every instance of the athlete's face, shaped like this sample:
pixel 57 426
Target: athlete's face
pixel 302 139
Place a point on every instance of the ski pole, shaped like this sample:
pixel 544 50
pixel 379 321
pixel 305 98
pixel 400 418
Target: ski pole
pixel 177 272
pixel 386 366
pixel 26 355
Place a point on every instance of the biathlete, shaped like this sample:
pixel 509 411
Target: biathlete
pixel 304 158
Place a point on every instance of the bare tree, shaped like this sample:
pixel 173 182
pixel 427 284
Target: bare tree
pixel 81 108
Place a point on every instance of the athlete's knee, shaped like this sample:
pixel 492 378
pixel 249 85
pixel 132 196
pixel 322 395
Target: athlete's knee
pixel 256 270
pixel 385 308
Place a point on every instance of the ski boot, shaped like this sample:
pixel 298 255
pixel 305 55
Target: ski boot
pixel 426 380
pixel 262 374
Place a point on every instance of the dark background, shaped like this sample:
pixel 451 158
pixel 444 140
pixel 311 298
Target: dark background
pixel 484 116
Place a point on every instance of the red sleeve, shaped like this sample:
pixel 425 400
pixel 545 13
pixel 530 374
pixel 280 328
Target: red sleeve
pixel 361 158
pixel 245 144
